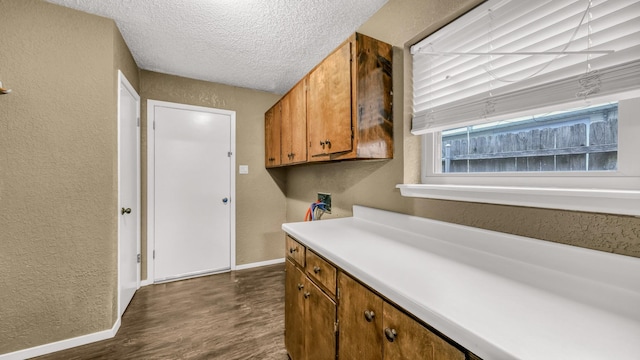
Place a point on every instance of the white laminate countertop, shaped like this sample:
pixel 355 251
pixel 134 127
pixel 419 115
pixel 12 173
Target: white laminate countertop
pixel 501 296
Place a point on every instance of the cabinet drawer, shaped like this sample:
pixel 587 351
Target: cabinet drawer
pixel 295 251
pixel 320 270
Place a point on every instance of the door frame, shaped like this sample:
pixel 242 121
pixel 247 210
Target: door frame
pixel 151 104
pixel 123 82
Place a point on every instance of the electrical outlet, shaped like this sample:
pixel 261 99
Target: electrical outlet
pixel 325 198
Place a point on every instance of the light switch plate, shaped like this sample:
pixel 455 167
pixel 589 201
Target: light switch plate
pixel 244 169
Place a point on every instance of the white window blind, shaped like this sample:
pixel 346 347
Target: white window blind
pixel 509 56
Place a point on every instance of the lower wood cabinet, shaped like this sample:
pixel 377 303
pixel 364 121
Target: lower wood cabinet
pixel 310 318
pixel 353 324
pixel 294 311
pixel 373 329
pixel 360 319
pixel 320 324
pixel 406 339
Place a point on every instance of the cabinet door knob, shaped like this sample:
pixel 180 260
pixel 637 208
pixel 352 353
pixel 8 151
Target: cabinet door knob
pixel 306 295
pixel 316 269
pixel 369 315
pixel 300 286
pixel 292 250
pixel 390 334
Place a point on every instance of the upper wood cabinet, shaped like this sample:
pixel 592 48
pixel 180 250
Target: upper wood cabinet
pixel 294 125
pixel 349 114
pixel 343 108
pixel 329 110
pixel 272 124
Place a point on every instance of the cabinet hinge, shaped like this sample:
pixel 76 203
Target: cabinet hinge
pixel 138 122
pixel 154 124
pixel 336 325
pixel 154 254
pixel 229 154
pixel 338 294
pixel 139 258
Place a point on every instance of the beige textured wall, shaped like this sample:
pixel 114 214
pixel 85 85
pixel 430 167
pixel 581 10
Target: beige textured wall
pixel 123 60
pixel 402 23
pixel 58 180
pixel 260 202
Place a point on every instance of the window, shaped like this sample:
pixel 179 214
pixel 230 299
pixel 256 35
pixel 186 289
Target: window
pixel 532 95
pixel 576 140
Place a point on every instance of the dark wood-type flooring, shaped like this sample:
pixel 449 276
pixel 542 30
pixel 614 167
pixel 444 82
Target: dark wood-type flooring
pixel 231 316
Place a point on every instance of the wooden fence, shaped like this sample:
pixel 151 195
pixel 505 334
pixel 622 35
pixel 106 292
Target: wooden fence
pixel 584 146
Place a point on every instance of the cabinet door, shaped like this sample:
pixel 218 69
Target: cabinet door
pixel 294 311
pixel 294 125
pixel 329 104
pixel 320 318
pixel 406 339
pixel 272 124
pixel 360 319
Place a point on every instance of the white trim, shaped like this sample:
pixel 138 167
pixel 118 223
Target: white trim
pixel 151 179
pixel 259 264
pixel 192 275
pixel 62 344
pixel 627 177
pixel 623 202
pixel 151 189
pixel 123 82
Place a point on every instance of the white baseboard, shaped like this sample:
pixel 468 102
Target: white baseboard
pixel 62 344
pixel 146 282
pixel 260 263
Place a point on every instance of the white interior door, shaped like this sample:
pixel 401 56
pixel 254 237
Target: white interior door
pixel 128 193
pixel 192 191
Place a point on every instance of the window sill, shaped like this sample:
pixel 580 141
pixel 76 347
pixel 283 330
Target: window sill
pixel 622 202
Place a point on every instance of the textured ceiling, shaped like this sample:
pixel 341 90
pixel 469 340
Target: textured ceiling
pixel 259 44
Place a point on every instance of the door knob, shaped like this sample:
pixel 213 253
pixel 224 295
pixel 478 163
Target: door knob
pixel 125 211
pixel 390 334
pixel 369 315
pixel 225 200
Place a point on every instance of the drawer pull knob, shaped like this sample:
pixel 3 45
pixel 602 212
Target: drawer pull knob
pixel 300 286
pixel 369 315
pixel 390 334
pixel 292 250
pixel 316 269
pixel 306 295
